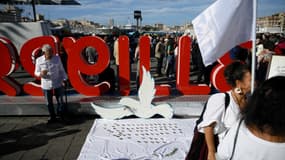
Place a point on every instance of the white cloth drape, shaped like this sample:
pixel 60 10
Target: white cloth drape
pixel 154 139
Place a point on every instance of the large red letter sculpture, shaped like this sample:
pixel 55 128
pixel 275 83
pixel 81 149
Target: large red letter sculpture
pixel 124 65
pixel 77 65
pixel 217 75
pixel 28 55
pixel 8 64
pixel 144 54
pixel 183 70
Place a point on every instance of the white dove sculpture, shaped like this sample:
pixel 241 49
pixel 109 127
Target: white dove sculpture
pixel 142 108
pixel 112 113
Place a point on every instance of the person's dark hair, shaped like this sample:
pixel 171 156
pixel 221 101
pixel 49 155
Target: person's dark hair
pixel 235 71
pixel 266 108
pixel 239 53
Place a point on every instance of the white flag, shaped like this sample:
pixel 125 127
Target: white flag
pixel 222 26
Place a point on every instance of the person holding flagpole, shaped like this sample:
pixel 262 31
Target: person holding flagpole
pixel 219 28
pixel 221 112
pixel 224 25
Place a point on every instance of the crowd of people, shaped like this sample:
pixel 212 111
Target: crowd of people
pixel 164 50
pixel 266 46
pixel 236 125
pixel 233 125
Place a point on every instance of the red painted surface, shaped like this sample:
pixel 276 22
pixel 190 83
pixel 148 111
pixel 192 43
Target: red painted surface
pixel 124 67
pixel 9 63
pixel 77 65
pixel 29 52
pixel 144 60
pixel 183 70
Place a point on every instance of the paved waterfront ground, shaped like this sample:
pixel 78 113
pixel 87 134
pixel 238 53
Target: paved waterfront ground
pixel 31 138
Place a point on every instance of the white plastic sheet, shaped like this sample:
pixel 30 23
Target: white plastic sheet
pixel 138 139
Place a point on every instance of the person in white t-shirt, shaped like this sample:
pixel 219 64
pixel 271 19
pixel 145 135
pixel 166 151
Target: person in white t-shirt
pixel 261 135
pixel 216 120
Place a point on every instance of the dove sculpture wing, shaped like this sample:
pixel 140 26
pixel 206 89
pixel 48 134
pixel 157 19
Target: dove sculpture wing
pixel 112 113
pixel 147 89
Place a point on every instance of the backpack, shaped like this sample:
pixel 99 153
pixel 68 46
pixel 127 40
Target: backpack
pixel 199 149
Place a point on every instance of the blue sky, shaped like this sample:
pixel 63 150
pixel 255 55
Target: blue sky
pixel 169 12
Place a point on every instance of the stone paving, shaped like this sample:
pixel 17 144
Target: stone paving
pixel 31 138
pixel 25 134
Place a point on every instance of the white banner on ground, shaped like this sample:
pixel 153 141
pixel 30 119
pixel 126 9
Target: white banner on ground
pixel 155 139
pixel 222 26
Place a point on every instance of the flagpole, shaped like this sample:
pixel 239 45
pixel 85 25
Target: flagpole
pixel 253 59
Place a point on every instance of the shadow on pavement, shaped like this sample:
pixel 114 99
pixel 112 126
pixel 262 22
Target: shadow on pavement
pixel 37 135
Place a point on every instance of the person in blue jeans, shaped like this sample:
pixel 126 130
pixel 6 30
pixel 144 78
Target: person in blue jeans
pixel 53 77
pixel 170 62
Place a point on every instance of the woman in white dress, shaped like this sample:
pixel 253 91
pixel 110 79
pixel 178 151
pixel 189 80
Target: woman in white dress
pixel 261 135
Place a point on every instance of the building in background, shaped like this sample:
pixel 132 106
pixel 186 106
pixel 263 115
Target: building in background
pixel 159 26
pixel 111 22
pixel 10 13
pixel 272 24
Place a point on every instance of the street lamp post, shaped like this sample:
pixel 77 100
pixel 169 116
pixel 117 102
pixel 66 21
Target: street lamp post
pixel 34 10
pixel 138 16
